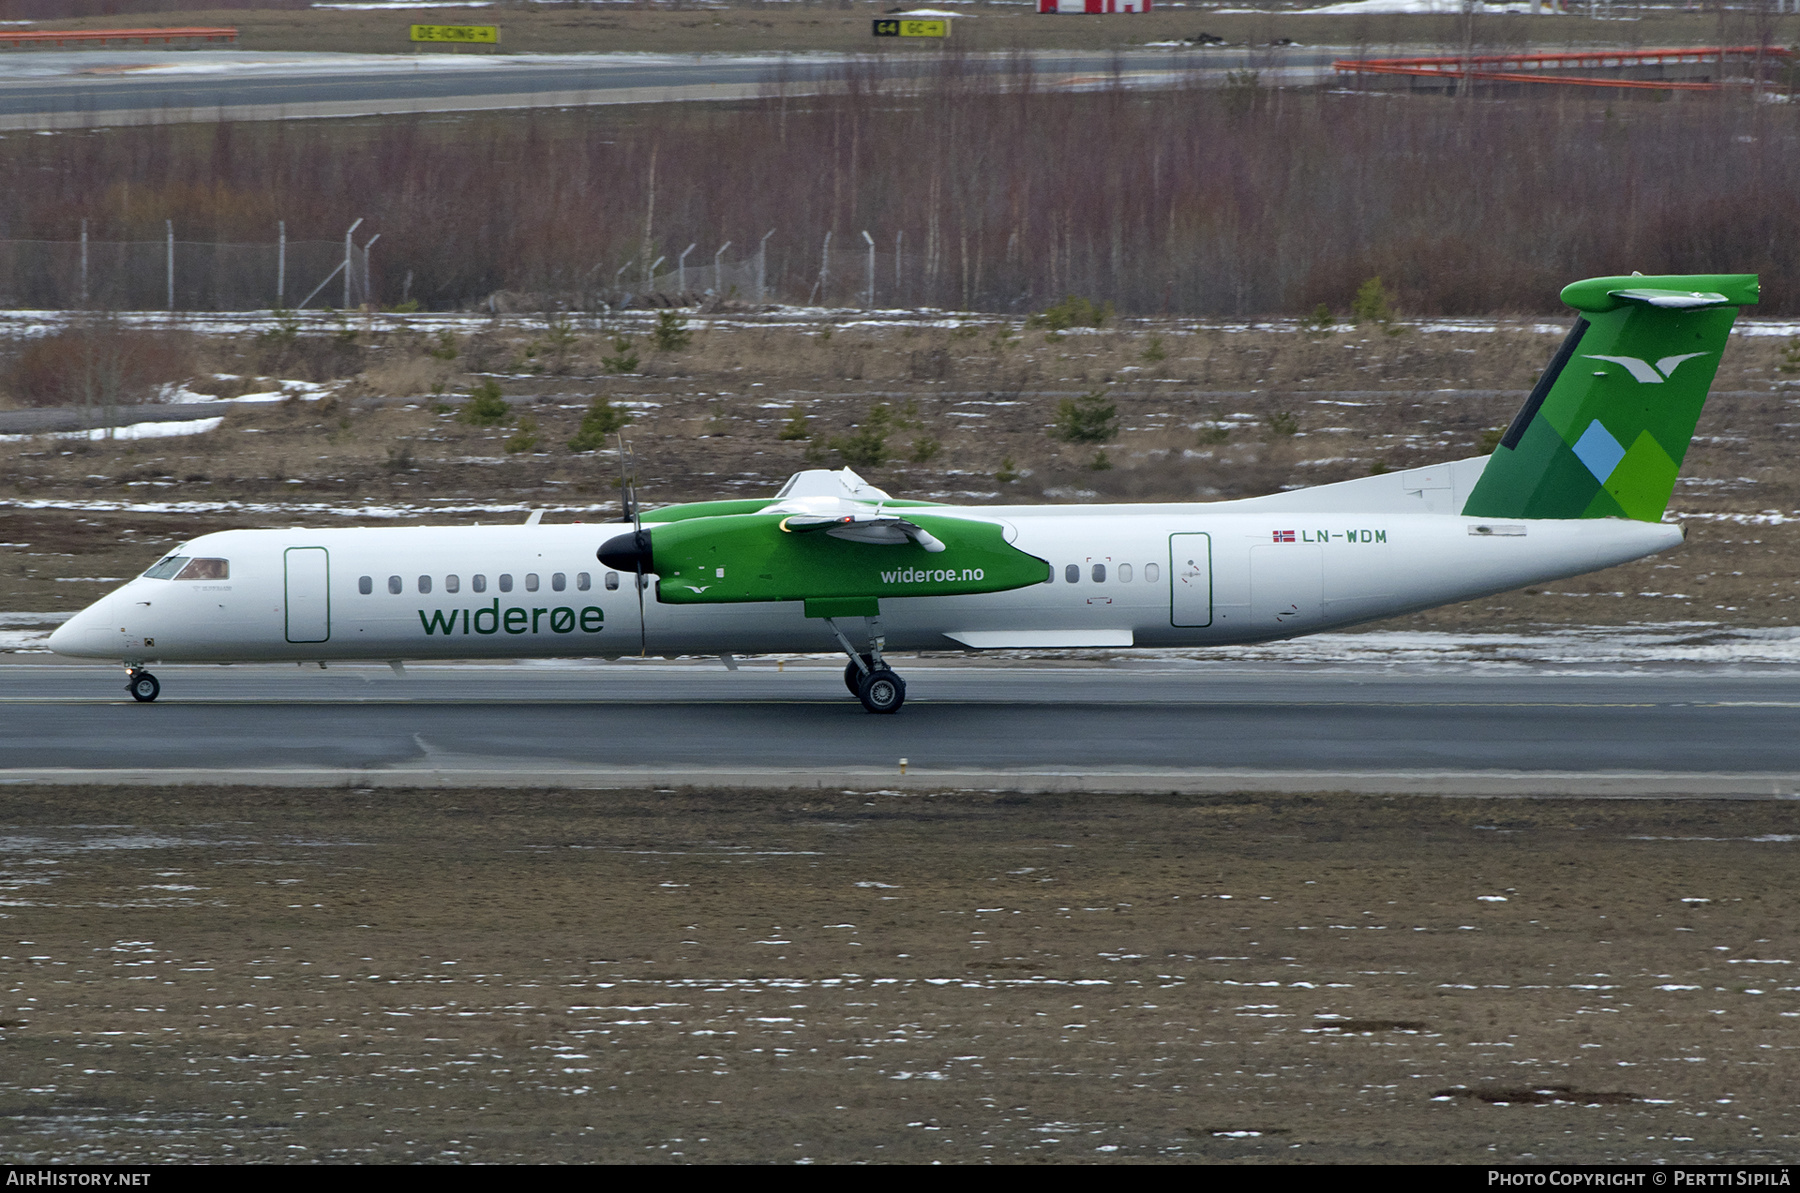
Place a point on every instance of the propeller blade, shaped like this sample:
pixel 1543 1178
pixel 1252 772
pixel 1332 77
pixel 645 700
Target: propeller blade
pixel 627 482
pixel 640 542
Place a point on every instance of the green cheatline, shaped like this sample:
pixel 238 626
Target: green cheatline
pixel 1604 433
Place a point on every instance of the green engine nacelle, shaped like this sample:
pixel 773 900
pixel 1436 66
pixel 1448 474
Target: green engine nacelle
pixel 750 557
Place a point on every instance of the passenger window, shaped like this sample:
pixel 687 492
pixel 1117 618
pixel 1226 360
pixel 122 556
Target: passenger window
pixel 1099 573
pixel 205 569
pixel 365 585
pixel 506 582
pixel 1124 573
pixel 612 581
pixel 583 581
pixel 424 583
pixel 531 582
pixel 558 582
pixel 1072 573
pixel 452 583
pixel 394 585
pixel 1150 571
pixel 478 582
pixel 163 569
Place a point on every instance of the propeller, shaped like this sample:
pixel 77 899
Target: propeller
pixel 629 552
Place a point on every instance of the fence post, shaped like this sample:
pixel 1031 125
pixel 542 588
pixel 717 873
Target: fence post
pixel 368 293
pixel 719 277
pixel 825 271
pixel 870 304
pixel 899 238
pixel 84 263
pixel 762 268
pixel 281 267
pixel 169 229
pixel 349 260
pixel 681 268
pixel 650 275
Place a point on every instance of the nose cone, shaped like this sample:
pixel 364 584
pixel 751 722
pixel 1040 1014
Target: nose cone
pixel 89 634
pixel 628 552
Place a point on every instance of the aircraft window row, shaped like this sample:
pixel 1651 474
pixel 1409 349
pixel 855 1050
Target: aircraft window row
pixel 1097 572
pixel 559 582
pixel 181 567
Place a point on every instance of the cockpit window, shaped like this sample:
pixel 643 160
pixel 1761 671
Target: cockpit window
pixel 205 569
pixel 166 567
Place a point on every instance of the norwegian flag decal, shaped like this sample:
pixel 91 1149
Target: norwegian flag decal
pixel 1284 536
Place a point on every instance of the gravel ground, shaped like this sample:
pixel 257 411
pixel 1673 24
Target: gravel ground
pixel 212 975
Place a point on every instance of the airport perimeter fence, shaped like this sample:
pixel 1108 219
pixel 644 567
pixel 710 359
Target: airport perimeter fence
pixel 192 275
pixel 894 274
pixel 180 275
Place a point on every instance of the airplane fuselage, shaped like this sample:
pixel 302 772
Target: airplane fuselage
pixel 1117 576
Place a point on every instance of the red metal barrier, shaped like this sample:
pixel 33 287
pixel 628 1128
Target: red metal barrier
pixel 1516 68
pixel 65 36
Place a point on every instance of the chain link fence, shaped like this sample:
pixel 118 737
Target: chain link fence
pixel 180 275
pixel 190 275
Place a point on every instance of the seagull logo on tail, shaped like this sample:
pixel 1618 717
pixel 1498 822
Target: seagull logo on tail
pixel 1647 373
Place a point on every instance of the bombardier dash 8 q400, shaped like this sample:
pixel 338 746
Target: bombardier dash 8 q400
pixel 1579 482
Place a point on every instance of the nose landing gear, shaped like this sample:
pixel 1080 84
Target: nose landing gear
pixel 142 685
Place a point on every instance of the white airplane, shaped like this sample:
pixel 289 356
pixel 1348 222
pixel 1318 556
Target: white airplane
pixel 1579 482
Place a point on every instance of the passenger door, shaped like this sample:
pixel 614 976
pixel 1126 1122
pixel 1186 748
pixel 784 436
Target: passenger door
pixel 308 594
pixel 1190 580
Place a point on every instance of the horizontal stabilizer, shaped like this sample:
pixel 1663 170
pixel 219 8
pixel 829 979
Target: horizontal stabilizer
pixel 1685 300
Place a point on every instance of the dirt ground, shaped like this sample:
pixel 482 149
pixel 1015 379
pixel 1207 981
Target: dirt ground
pixel 474 976
pixel 965 409
pixel 745 27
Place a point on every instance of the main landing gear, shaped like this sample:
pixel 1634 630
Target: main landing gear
pixel 867 675
pixel 142 685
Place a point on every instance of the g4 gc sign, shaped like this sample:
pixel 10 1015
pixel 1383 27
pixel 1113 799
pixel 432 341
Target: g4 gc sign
pixel 894 28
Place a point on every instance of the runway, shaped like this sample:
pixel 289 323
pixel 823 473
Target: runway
pixel 83 89
pixel 1132 725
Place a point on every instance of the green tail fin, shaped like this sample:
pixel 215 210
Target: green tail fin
pixel 1604 432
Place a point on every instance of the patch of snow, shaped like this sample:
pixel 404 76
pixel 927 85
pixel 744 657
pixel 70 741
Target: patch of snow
pixel 192 426
pixel 1558 651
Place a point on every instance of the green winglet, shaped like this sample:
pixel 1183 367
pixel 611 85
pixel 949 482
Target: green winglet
pixel 1604 432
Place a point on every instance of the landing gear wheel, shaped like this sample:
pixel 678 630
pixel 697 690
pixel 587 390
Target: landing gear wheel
pixel 143 687
pixel 882 691
pixel 853 675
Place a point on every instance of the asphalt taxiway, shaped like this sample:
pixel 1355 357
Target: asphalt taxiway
pixel 94 88
pixel 1133 725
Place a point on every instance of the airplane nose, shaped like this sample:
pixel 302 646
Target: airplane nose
pixel 89 634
